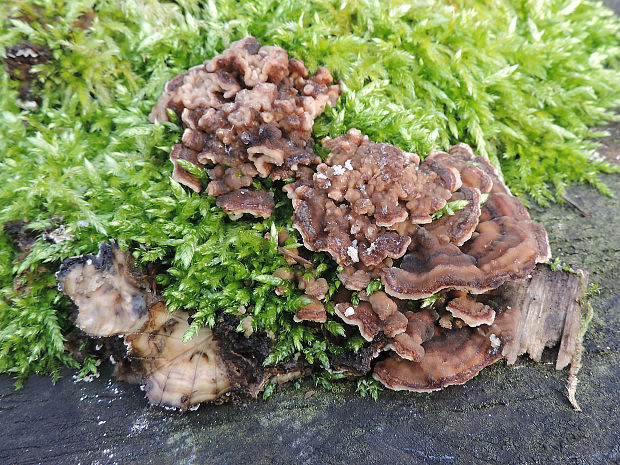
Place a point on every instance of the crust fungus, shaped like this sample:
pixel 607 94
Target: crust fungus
pixel 458 228
pixel 240 201
pixel 372 203
pixel 472 313
pixel 355 200
pixel 530 314
pixel 247 112
pixel 314 311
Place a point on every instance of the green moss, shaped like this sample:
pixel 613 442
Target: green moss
pixel 522 82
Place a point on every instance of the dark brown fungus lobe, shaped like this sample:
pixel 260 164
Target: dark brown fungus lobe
pixel 419 329
pixel 453 358
pixel 354 279
pixel 530 315
pixel 225 180
pixel 503 250
pixel 316 288
pixel 354 204
pixel 507 249
pixel 180 174
pixel 381 304
pixel 395 324
pixel 361 316
pixel 378 313
pixel 461 157
pixel 431 265
pixel 247 112
pixel 500 206
pixel 476 171
pixel 256 203
pixel 506 245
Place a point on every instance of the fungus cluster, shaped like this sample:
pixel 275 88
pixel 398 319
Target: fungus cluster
pixel 374 209
pixel 247 112
pixel 371 203
pixel 445 229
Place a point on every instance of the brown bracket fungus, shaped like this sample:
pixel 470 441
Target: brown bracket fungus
pixel 445 224
pixel 240 201
pixel 452 358
pixel 458 228
pixel 370 203
pixel 419 329
pixel 352 204
pixel 314 311
pixel 531 314
pixel 378 313
pixel 506 245
pixel 247 112
pixel 472 313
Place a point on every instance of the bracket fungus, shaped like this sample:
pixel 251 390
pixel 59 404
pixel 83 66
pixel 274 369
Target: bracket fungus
pixel 505 245
pixel 371 203
pixel 472 313
pixel 353 203
pixel 531 314
pixel 446 229
pixel 247 112
pixel 454 357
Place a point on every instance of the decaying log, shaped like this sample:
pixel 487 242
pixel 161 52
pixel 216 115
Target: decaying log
pixel 550 305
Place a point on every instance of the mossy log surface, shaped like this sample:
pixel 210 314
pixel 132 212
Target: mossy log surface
pixel 508 414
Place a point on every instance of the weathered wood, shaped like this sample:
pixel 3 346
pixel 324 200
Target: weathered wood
pixel 549 305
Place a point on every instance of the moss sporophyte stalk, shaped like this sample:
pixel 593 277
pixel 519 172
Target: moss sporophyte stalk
pixel 521 82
